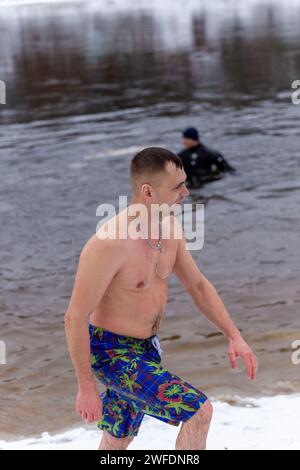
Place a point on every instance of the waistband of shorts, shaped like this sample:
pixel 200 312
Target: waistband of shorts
pixel 110 336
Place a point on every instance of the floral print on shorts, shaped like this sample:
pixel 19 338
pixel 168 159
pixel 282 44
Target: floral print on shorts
pixel 137 384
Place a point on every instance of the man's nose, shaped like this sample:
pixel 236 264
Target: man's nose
pixel 185 192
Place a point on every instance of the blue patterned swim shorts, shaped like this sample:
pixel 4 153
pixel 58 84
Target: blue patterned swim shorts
pixel 137 384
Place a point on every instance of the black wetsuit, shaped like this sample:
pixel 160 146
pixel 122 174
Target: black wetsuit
pixel 203 164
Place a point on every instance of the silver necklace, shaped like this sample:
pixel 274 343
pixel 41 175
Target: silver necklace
pixel 157 246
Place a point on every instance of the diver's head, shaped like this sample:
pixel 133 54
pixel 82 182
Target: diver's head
pixel 190 137
pixel 157 177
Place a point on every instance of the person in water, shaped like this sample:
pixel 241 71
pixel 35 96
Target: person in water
pixel 200 162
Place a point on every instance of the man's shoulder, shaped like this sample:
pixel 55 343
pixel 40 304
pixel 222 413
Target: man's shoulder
pixel 211 151
pixel 186 153
pixel 102 241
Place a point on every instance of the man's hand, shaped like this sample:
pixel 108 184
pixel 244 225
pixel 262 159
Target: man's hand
pixel 88 403
pixel 239 347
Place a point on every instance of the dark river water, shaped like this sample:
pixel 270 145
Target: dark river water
pixel 90 83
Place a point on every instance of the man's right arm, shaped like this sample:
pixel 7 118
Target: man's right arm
pixel 99 261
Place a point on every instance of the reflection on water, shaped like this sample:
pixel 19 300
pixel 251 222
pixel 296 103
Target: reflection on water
pixel 90 83
pixel 61 62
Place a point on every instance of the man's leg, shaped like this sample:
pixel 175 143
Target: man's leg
pixel 193 432
pixel 109 442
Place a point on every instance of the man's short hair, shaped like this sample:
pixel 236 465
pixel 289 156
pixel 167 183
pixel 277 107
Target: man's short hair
pixel 152 160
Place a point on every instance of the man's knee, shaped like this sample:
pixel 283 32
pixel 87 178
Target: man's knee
pixel 113 442
pixel 203 415
pixel 205 412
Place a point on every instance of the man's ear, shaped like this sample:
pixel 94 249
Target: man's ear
pixel 148 190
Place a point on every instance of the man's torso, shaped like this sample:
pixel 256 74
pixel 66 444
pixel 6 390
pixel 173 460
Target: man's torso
pixel 135 300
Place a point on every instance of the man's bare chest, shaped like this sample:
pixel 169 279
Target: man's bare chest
pixel 146 267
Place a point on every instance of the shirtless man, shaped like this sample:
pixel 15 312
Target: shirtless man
pixel 115 311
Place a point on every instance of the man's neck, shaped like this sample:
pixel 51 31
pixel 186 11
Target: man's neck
pixel 197 144
pixel 148 219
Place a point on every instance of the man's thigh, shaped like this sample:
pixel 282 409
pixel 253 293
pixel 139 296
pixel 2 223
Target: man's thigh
pixel 157 391
pixel 120 417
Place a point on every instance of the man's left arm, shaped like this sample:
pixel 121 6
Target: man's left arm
pixel 210 304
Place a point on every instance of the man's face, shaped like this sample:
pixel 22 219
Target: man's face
pixel 171 188
pixel 189 143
